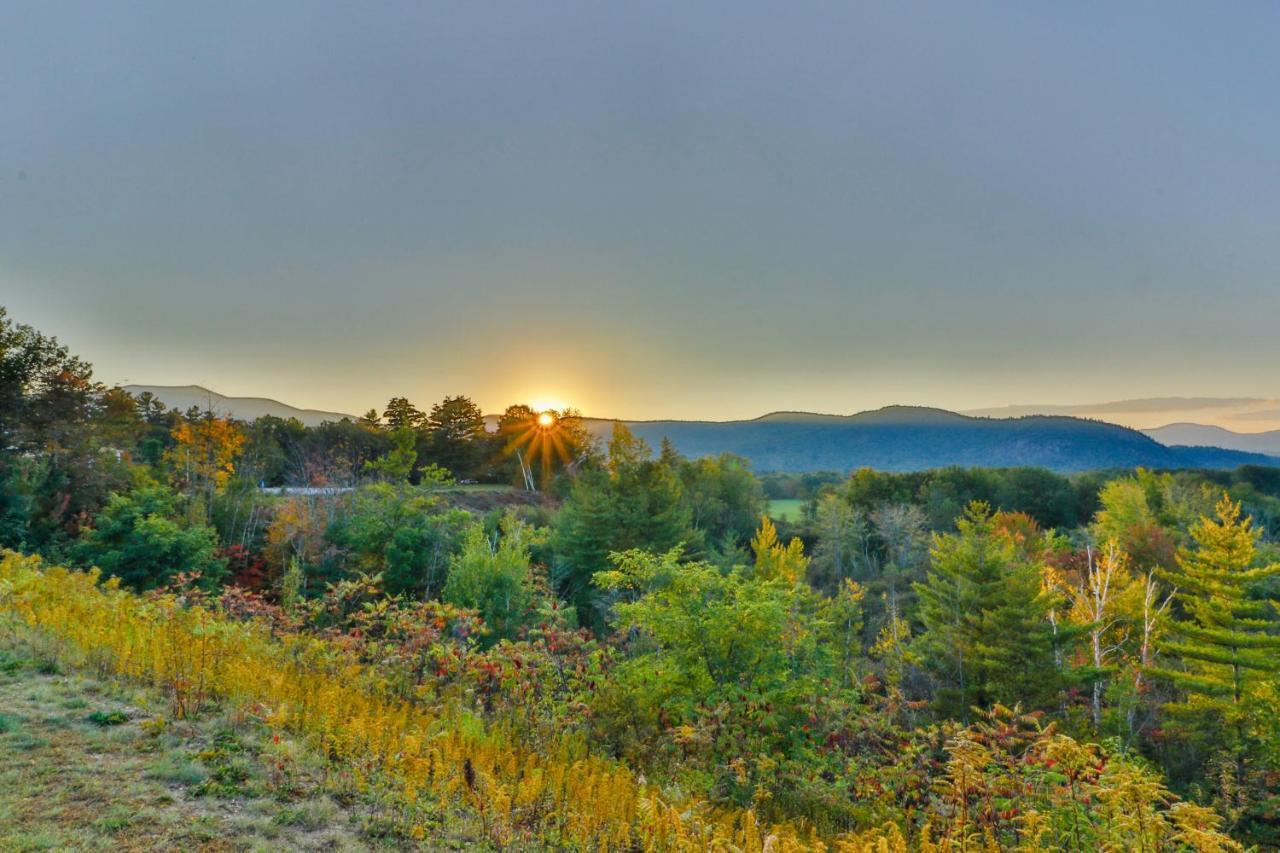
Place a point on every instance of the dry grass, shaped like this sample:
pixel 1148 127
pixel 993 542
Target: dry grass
pixel 88 765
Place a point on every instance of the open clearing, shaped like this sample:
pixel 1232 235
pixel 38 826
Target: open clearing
pixel 786 509
pixel 88 764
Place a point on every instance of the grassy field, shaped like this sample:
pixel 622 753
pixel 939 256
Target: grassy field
pixel 87 764
pixel 786 509
pixel 479 488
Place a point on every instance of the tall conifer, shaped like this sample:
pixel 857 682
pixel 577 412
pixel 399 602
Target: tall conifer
pixel 1228 644
pixel 987 634
pixel 1227 639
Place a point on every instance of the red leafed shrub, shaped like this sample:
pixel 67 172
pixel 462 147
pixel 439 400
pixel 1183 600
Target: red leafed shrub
pixel 248 570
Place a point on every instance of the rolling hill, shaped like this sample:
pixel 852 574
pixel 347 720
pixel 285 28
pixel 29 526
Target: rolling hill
pixel 904 438
pixel 1247 414
pixel 1208 435
pixel 184 397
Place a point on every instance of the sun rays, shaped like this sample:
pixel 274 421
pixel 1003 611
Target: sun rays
pixel 541 439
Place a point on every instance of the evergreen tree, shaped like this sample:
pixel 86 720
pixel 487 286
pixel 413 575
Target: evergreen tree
pixel 456 436
pixel 584 534
pixel 1228 641
pixel 634 502
pixel 668 455
pixel 401 414
pixel 987 635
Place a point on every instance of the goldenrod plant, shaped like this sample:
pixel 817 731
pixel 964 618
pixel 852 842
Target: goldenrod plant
pixel 1007 782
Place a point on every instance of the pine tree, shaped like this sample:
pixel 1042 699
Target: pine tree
pixel 1227 639
pixel 633 502
pixel 585 533
pixel 987 636
pixel 401 414
pixel 456 435
pixel 668 455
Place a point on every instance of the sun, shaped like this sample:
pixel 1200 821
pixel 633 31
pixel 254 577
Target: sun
pixel 541 438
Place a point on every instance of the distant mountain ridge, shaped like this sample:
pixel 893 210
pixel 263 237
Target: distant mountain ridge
pixel 1208 435
pixel 909 438
pixel 1145 404
pixel 894 438
pixel 183 397
pixel 1241 414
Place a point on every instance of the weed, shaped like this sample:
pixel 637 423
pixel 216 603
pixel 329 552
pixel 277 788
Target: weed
pixel 177 770
pixel 154 727
pixel 115 820
pixel 23 741
pixel 308 815
pixel 11 663
pixel 105 718
pixel 228 773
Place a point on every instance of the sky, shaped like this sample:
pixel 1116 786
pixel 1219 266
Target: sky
pixel 644 210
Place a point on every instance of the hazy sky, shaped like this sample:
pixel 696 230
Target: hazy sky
pixel 649 209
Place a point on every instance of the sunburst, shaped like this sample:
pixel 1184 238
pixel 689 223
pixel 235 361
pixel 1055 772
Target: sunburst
pixel 542 439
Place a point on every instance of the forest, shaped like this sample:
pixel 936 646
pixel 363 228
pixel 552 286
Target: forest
pixel 607 645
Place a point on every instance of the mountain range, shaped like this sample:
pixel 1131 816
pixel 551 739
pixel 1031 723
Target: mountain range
pixel 183 397
pixel 1208 435
pixel 1241 414
pixel 909 438
pixel 895 438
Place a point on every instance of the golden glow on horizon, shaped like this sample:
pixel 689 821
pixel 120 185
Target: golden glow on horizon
pixel 543 439
pixel 548 404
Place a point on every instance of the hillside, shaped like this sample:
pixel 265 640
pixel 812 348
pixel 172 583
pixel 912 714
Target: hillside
pixel 903 438
pixel 1207 435
pixel 1247 414
pixel 183 397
